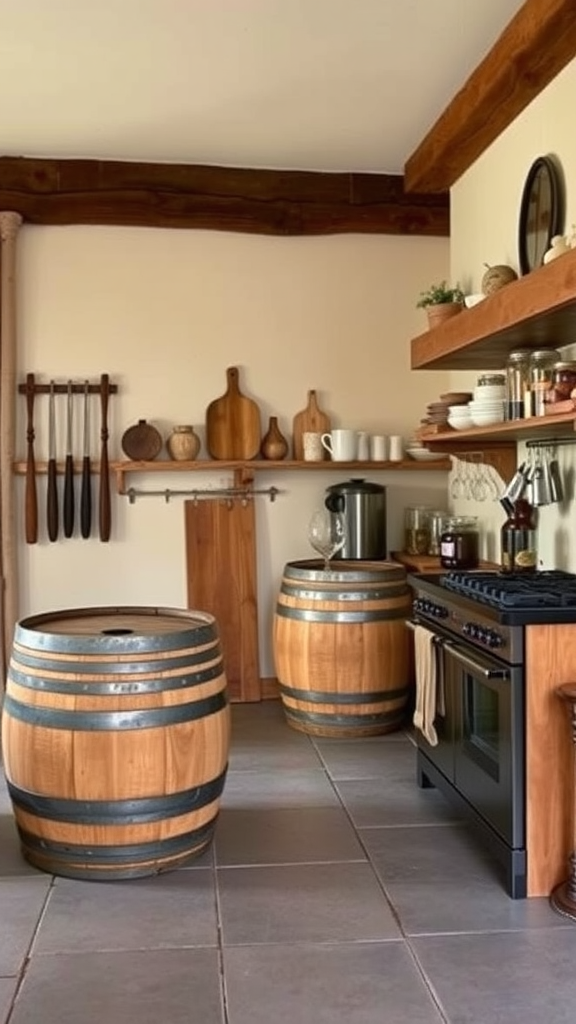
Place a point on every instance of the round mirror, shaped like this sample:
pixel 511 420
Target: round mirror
pixel 541 213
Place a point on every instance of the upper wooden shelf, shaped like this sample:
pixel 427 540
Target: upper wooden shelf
pixel 537 311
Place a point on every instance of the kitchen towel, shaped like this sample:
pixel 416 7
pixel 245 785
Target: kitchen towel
pixel 426 684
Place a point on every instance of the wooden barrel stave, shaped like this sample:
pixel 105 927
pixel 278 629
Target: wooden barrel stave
pixel 116 774
pixel 341 648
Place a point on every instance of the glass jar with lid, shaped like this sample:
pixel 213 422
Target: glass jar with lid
pixel 563 380
pixel 517 385
pixel 460 543
pixel 541 373
pixel 491 380
pixel 417 530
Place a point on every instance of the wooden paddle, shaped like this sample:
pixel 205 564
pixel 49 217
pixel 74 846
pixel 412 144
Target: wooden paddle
pixel 233 423
pixel 312 420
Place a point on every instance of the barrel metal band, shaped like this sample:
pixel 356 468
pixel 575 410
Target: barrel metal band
pixel 102 689
pixel 100 721
pixel 319 718
pixel 137 643
pixel 345 595
pixel 136 811
pixel 303 571
pixel 41 662
pixel 70 852
pixel 332 697
pixel 307 615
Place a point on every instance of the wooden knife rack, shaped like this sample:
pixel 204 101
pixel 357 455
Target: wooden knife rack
pixel 68 467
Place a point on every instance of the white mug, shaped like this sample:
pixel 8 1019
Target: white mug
pixel 342 445
pixel 312 446
pixel 378 448
pixel 396 448
pixel 363 453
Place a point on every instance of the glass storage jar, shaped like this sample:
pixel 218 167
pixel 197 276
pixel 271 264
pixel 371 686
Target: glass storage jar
pixel 541 373
pixel 436 521
pixel 459 543
pixel 417 530
pixel 563 380
pixel 517 384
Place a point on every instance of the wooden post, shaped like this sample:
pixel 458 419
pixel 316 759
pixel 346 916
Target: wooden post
pixel 10 223
pixel 563 897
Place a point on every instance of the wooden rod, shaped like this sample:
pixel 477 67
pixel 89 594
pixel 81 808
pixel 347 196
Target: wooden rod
pixel 10 223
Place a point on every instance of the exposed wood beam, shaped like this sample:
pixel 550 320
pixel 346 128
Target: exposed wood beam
pixel 216 198
pixel 535 46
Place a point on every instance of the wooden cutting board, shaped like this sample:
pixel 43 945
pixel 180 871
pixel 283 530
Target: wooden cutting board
pixel 221 578
pixel 233 423
pixel 310 419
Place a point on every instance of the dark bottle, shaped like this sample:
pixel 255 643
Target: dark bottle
pixel 518 551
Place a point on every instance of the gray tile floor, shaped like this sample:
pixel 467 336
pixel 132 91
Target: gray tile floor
pixel 335 892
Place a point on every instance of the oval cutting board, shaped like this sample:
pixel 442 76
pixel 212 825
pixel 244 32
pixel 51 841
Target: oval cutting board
pixel 233 423
pixel 310 419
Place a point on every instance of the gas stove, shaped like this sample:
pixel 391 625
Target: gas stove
pixel 490 609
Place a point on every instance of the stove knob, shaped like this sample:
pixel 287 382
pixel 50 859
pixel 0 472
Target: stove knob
pixel 469 629
pixel 440 612
pixel 494 639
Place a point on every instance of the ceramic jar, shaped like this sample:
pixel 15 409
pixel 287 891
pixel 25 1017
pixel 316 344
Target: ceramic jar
pixel 183 444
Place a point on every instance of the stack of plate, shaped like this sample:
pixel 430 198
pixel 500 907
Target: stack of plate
pixel 487 406
pixel 437 412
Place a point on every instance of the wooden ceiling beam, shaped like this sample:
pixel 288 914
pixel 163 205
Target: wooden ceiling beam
pixel 216 198
pixel 535 46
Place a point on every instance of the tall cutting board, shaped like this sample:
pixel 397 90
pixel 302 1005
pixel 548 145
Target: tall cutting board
pixel 221 577
pixel 233 423
pixel 310 419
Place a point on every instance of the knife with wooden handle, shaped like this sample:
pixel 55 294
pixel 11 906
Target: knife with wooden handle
pixel 31 499
pixel 68 512
pixel 104 504
pixel 52 494
pixel 86 489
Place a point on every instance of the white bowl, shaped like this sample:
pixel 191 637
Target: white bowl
pixel 489 391
pixel 485 406
pixel 423 455
pixel 458 410
pixel 473 300
pixel 486 419
pixel 460 422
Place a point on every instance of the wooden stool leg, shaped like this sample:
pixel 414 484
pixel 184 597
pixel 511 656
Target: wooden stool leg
pixel 563 897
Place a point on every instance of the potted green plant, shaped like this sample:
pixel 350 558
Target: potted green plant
pixel 441 302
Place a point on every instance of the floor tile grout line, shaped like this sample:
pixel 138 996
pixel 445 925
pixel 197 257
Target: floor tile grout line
pixel 28 954
pixel 220 942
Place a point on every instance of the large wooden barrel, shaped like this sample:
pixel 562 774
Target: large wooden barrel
pixel 341 647
pixel 115 732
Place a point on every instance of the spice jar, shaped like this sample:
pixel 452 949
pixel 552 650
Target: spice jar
pixel 459 543
pixel 417 530
pixel 518 551
pixel 541 373
pixel 517 384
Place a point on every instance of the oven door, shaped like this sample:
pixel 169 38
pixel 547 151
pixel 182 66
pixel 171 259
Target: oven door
pixel 489 737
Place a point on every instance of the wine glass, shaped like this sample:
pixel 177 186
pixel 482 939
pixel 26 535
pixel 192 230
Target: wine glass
pixel 326 533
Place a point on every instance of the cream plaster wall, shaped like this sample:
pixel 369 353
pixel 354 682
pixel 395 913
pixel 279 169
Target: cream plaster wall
pixel 164 313
pixel 485 205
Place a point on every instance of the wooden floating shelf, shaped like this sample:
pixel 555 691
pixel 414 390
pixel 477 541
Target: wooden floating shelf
pixel 244 469
pixel 508 432
pixel 537 311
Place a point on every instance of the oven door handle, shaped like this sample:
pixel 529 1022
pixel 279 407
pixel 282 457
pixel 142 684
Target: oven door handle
pixel 479 669
pixel 438 641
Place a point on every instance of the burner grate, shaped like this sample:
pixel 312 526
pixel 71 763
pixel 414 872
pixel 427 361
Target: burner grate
pixel 546 589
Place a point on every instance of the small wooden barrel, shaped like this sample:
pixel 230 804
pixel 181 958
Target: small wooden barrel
pixel 115 732
pixel 341 647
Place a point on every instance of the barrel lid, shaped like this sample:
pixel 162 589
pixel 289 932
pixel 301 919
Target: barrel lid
pixel 116 629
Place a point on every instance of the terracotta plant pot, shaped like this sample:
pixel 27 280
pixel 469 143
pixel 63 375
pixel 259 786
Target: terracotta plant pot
pixel 442 311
